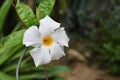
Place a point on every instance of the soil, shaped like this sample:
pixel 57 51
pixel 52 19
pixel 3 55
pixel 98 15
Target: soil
pixel 81 71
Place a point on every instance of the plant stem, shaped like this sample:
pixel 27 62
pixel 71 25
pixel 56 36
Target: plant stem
pixel 46 72
pixel 18 1
pixel 19 62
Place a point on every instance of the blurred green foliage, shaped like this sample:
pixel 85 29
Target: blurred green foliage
pixel 97 22
pixel 107 39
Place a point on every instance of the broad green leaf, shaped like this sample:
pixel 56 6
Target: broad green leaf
pixel 45 7
pixel 57 69
pixel 3 12
pixel 26 15
pixel 11 40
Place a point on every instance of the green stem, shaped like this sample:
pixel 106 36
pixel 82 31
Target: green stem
pixel 19 62
pixel 17 27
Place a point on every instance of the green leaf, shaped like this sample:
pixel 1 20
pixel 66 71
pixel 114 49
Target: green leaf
pixel 30 76
pixel 4 76
pixel 54 71
pixel 9 53
pixel 11 40
pixel 3 12
pixel 45 7
pixel 59 78
pixel 24 65
pixel 51 71
pixel 26 15
pixel 58 69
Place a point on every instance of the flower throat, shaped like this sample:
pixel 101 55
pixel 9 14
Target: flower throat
pixel 47 40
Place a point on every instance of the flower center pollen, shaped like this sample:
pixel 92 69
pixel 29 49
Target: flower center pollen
pixel 47 40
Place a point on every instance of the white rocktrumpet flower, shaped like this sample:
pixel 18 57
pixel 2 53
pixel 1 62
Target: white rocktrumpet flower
pixel 48 41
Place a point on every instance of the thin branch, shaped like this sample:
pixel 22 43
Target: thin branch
pixel 13 4
pixel 46 72
pixel 18 1
pixel 19 62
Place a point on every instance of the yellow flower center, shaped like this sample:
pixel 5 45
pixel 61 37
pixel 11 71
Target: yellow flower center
pixel 47 40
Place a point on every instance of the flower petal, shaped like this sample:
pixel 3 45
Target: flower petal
pixel 61 37
pixel 48 25
pixel 32 37
pixel 40 56
pixel 56 51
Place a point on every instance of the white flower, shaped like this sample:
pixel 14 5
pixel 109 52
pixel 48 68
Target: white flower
pixel 49 41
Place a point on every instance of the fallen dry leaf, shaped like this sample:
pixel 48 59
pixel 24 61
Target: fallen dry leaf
pixel 74 54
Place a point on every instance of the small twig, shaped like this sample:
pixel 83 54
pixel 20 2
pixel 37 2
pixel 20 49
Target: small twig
pixel 19 62
pixel 46 72
pixel 13 4
pixel 30 3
